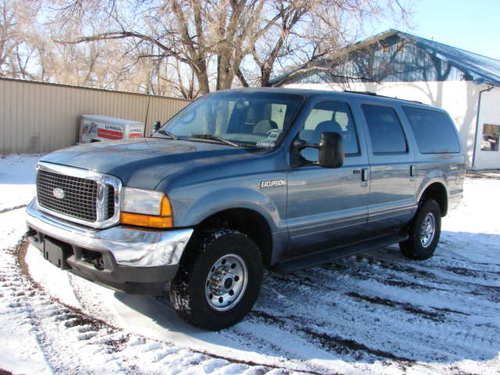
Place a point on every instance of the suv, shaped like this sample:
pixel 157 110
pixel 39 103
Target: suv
pixel 245 179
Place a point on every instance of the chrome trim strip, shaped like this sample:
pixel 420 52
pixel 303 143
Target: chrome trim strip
pixel 102 180
pixel 129 246
pixel 385 211
pixel 300 229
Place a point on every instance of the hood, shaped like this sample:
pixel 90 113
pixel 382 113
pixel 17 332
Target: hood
pixel 144 163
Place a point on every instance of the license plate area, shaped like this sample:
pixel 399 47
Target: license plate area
pixel 56 253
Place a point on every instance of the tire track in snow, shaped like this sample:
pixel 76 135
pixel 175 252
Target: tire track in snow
pixel 334 343
pixel 439 336
pixel 73 342
pixel 112 342
pixel 8 209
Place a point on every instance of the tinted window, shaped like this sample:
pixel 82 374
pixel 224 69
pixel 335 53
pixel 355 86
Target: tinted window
pixel 434 131
pixel 330 117
pixel 385 129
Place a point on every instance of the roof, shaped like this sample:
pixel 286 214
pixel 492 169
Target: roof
pixel 111 120
pixel 309 93
pixel 482 69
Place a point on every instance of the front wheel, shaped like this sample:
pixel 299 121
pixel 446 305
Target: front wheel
pixel 424 232
pixel 218 280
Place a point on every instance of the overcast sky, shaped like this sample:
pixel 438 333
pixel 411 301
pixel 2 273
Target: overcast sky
pixel 473 25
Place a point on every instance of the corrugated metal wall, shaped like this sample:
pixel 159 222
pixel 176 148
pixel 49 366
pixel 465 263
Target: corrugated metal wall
pixel 39 117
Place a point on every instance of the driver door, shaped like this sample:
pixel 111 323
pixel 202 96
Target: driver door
pixel 328 207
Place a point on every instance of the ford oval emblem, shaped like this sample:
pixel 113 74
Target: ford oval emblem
pixel 58 193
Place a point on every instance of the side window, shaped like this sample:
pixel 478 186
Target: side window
pixel 386 132
pixel 491 136
pixel 330 117
pixel 434 131
pixel 278 112
pixel 316 116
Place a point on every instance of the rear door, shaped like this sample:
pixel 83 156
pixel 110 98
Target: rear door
pixel 392 200
pixel 327 207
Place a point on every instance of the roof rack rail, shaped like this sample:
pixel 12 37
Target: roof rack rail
pixel 371 93
pixel 362 92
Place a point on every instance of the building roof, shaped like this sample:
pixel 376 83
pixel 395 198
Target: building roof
pixel 480 68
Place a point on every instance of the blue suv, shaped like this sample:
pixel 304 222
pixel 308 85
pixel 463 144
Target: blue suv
pixel 245 179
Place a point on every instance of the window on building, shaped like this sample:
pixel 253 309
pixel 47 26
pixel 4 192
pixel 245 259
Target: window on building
pixel 330 116
pixel 385 130
pixel 434 131
pixel 491 136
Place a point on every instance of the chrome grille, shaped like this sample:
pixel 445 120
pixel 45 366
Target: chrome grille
pixel 78 195
pixel 111 202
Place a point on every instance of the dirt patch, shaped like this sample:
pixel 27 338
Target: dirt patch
pixel 435 316
pixel 340 344
pixel 4 210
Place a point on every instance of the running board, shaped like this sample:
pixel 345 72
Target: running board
pixel 329 255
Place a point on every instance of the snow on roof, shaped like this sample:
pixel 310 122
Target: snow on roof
pixel 480 68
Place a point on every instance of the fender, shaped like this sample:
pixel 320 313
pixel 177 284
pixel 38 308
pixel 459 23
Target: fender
pixel 230 198
pixel 428 181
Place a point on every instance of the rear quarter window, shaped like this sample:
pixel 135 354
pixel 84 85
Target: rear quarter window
pixel 434 131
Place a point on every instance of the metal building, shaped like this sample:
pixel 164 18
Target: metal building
pixel 37 117
pixel 406 66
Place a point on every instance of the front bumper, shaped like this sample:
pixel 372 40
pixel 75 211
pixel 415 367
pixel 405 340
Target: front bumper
pixel 127 258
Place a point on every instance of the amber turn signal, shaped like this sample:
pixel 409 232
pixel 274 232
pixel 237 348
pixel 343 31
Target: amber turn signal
pixel 164 220
pixel 165 209
pixel 146 220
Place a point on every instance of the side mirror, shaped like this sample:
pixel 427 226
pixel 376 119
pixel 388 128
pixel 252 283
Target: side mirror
pixel 331 153
pixel 156 126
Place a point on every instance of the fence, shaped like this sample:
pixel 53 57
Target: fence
pixel 38 117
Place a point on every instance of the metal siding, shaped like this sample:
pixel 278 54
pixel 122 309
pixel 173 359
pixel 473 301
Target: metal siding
pixel 40 117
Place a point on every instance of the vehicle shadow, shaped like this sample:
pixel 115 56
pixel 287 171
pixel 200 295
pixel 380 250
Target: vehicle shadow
pixel 366 308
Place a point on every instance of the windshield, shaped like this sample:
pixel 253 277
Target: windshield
pixel 238 118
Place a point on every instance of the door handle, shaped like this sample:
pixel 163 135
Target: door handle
pixel 363 172
pixel 413 171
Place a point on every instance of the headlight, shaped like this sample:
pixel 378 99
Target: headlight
pixel 146 208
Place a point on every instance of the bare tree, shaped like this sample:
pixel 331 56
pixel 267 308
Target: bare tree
pixel 182 47
pixel 251 40
pixel 17 40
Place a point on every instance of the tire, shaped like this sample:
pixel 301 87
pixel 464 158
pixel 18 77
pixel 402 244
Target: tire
pixel 421 245
pixel 196 291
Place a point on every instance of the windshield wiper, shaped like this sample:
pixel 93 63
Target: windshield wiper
pixel 213 137
pixel 167 133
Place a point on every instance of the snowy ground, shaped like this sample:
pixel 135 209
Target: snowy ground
pixel 378 313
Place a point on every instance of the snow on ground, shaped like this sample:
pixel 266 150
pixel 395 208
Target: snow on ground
pixel 377 313
pixel 17 173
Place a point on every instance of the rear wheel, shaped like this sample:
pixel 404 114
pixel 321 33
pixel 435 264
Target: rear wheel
pixel 424 232
pixel 218 280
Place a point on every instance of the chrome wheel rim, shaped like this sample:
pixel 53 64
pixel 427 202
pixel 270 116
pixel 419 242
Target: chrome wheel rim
pixel 226 282
pixel 427 230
